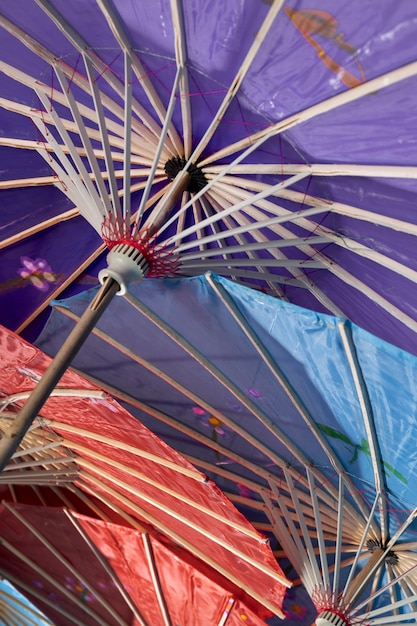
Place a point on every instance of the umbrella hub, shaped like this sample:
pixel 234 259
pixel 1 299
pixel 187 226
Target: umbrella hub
pixel 197 177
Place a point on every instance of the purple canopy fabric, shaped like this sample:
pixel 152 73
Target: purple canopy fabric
pixel 328 96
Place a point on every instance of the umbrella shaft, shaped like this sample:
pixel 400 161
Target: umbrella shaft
pixel 15 433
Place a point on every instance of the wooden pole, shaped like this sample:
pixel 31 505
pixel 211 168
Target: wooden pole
pixel 11 439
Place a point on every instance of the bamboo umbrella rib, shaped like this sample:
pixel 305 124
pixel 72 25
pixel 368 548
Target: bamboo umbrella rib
pixel 178 516
pixel 369 423
pixel 272 244
pixel 315 572
pixel 239 77
pixel 104 136
pixel 287 541
pixel 291 536
pixel 186 544
pixel 75 77
pixel 27 609
pixel 232 262
pixel 131 449
pixel 319 528
pixel 159 147
pixel 345 242
pixel 85 183
pixel 40 227
pixel 19 183
pixel 346 97
pixel 39 570
pixel 230 386
pixel 82 47
pixel 146 479
pixel 67 564
pixel 117 156
pixel 285 385
pixel 127 144
pixel 82 132
pixel 181 59
pixel 190 432
pixel 348 278
pixel 64 170
pixel 174 141
pixel 320 169
pixel 187 393
pixel 12 470
pixel 153 569
pixel 115 128
pixel 43 598
pixel 368 527
pixel 253 274
pixel 145 151
pixel 107 568
pixel 259 218
pixel 352 211
pixel 241 205
pixel 212 205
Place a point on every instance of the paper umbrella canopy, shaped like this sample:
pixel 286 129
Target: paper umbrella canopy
pixel 166 543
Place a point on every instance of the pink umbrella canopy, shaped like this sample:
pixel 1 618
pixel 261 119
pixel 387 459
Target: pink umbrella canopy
pixel 86 444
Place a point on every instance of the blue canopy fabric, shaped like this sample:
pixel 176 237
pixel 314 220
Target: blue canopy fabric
pixel 250 388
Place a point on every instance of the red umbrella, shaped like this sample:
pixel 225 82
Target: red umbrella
pixel 85 442
pixel 78 569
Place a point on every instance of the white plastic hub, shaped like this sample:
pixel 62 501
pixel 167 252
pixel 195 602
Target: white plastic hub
pixel 328 618
pixel 125 264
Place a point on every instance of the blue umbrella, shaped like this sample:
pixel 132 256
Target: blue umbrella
pixel 16 609
pixel 305 420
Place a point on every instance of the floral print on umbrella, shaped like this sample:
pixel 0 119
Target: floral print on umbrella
pixel 38 272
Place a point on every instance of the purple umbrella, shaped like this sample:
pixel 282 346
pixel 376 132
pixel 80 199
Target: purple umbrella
pixel 271 142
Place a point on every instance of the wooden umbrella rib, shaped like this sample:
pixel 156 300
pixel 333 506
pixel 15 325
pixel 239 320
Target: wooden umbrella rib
pixel 39 596
pixel 82 47
pixel 82 132
pixel 286 386
pixel 346 97
pixel 76 78
pixel 62 70
pixel 153 569
pixel 232 388
pixel 39 570
pixel 27 610
pixel 320 169
pixel 174 141
pixel 244 529
pixel 185 391
pixel 190 432
pixel 202 530
pixel 239 77
pixel 181 59
pixel 127 502
pixel 131 449
pixel 344 241
pixel 345 276
pixel 38 228
pixel 67 564
pixel 105 565
pixel 159 147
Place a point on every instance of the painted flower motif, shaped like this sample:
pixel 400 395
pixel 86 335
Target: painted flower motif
pixel 209 421
pixel 79 589
pixel 38 272
pixel 296 612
